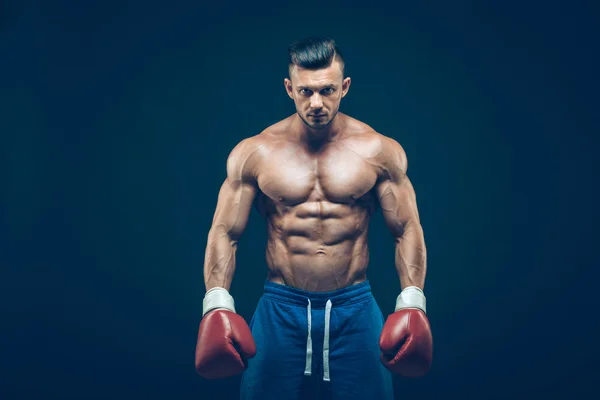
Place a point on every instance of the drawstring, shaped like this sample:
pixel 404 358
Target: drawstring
pixel 326 342
pixel 307 369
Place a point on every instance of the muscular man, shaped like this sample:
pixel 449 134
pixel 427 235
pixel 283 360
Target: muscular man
pixel 316 177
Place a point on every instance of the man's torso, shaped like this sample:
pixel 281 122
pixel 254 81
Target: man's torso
pixel 317 203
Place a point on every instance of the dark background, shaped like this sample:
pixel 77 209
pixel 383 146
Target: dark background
pixel 116 121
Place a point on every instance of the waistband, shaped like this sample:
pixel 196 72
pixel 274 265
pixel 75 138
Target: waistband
pixel 348 295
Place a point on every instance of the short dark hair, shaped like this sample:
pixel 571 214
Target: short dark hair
pixel 314 53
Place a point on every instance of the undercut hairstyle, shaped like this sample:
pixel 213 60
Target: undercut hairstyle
pixel 314 53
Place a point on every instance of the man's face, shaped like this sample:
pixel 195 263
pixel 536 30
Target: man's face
pixel 317 93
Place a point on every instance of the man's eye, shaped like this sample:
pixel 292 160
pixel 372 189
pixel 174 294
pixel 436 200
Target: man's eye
pixel 328 90
pixel 305 91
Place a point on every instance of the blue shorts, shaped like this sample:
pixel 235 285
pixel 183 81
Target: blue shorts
pixel 316 346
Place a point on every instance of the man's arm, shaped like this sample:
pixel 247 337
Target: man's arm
pixel 405 342
pixel 225 341
pixel 399 207
pixel 231 217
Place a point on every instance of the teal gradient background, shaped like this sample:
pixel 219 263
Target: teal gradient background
pixel 117 119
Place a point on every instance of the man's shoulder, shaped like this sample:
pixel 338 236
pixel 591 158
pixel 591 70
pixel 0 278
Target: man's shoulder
pixel 242 160
pixel 268 135
pixel 382 150
pixel 247 153
pixel 363 137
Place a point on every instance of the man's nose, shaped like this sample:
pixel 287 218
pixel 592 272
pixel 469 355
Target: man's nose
pixel 316 101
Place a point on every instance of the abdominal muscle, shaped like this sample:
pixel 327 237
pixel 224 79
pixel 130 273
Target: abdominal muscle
pixel 316 251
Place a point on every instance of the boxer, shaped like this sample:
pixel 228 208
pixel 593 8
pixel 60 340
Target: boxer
pixel 316 178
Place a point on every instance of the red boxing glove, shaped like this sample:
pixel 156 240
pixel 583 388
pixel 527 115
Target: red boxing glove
pixel 406 343
pixel 225 341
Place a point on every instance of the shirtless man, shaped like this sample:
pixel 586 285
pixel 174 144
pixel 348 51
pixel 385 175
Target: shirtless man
pixel 316 177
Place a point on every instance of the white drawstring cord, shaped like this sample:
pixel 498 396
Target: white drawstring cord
pixel 307 368
pixel 326 342
pixel 309 350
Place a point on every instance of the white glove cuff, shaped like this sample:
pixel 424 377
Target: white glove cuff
pixel 411 297
pixel 217 298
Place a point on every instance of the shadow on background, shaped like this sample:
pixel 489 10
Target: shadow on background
pixel 117 118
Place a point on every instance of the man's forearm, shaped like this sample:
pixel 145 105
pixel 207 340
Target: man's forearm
pixel 411 256
pixel 219 262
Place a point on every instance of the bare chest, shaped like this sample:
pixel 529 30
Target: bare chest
pixel 335 175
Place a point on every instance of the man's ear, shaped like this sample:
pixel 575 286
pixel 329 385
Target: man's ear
pixel 288 87
pixel 346 85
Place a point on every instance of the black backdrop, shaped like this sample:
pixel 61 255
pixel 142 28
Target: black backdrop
pixel 116 121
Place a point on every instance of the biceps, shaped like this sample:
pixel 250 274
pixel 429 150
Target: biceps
pixel 233 208
pixel 398 205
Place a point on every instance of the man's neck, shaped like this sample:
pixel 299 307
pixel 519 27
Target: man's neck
pixel 317 138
